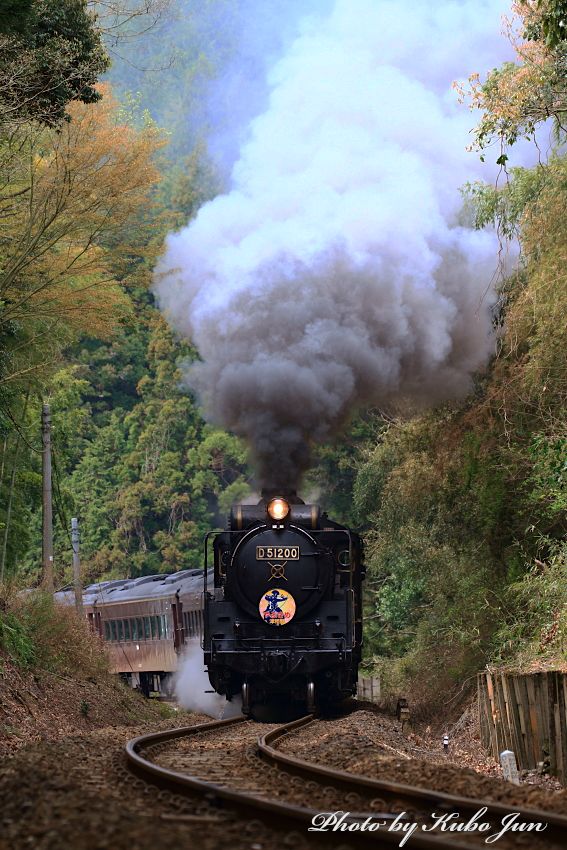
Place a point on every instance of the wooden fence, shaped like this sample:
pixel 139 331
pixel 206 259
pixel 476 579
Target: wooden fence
pixel 369 688
pixel 527 714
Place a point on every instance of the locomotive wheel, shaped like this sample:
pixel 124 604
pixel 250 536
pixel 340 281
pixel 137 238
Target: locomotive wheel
pixel 246 699
pixel 311 705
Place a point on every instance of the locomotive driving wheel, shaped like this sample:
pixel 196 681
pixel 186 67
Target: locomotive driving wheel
pixel 246 699
pixel 311 705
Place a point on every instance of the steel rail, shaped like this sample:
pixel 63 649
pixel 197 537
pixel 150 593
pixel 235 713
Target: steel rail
pixel 282 815
pixel 557 824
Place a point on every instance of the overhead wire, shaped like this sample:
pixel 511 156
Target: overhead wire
pixel 19 431
pixel 58 499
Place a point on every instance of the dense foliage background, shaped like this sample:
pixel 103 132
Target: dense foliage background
pixel 463 507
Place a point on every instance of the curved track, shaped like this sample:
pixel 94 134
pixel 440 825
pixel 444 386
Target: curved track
pixel 204 765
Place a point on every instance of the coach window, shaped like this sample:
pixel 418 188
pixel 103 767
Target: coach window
pixel 107 630
pixel 147 628
pixel 126 629
pixel 120 629
pixel 153 627
pixel 113 630
pixel 159 626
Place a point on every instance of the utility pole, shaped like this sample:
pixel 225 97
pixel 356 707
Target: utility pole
pixel 78 585
pixel 47 542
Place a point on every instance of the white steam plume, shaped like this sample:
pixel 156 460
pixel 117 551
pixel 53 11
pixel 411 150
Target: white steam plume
pixel 336 272
pixel 193 689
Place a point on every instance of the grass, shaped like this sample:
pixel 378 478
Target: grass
pixel 38 634
pixel 16 640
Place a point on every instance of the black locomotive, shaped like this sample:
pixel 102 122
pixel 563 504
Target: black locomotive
pixel 283 623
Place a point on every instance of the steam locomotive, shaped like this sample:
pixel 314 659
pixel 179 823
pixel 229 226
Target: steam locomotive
pixel 283 620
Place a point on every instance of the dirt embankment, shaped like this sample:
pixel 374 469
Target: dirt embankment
pixel 43 706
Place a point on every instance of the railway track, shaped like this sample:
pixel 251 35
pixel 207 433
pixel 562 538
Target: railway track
pixel 236 765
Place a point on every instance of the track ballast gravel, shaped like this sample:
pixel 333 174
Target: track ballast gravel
pixel 75 793
pixel 372 744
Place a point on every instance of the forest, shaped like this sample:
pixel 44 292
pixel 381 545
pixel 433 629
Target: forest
pixel 463 506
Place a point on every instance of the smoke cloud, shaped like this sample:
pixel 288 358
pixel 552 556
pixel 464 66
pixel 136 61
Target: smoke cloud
pixel 193 689
pixel 337 272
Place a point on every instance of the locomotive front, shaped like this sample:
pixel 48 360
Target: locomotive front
pixel 283 622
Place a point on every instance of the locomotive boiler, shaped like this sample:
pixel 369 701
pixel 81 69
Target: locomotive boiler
pixel 283 619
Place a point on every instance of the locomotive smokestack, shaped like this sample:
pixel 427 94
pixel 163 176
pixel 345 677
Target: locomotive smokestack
pixel 289 495
pixel 337 272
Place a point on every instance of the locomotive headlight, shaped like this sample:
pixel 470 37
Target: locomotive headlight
pixel 278 509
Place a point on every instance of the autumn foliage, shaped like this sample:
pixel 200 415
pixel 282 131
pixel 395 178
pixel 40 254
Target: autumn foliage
pixel 519 95
pixel 67 197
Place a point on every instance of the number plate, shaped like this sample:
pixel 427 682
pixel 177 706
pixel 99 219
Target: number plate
pixel 277 553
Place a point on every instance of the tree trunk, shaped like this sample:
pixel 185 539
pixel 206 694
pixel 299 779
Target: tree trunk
pixel 11 491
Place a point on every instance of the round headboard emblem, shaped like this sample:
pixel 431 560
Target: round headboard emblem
pixel 277 607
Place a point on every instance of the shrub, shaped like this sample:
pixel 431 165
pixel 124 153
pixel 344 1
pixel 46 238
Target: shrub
pixel 37 633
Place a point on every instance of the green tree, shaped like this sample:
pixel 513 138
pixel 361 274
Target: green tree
pixel 168 470
pixel 51 53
